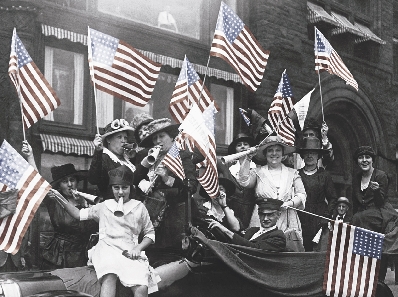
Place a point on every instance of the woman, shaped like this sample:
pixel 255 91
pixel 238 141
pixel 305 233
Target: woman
pixel 242 200
pixel 112 149
pixel 140 125
pixel 276 181
pixel 67 247
pixel 319 187
pixel 119 253
pixel 370 206
pixel 163 187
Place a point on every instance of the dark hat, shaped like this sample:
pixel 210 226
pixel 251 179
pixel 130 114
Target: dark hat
pixel 259 126
pixel 156 126
pixel 344 200
pixel 312 144
pixel 364 150
pixel 138 121
pixel 268 204
pixel 121 176
pixel 116 126
pixel 311 123
pixel 238 138
pixel 260 157
pixel 60 172
pixel 227 183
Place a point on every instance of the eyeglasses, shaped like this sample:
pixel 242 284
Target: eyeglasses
pixel 116 124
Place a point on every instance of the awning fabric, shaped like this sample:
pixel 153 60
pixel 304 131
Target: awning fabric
pixel 67 145
pixel 317 14
pixel 363 32
pixel 164 60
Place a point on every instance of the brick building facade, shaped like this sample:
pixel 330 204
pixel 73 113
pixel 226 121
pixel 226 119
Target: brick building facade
pixel 55 35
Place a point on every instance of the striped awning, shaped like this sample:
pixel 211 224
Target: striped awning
pixel 317 14
pixel 164 60
pixel 67 145
pixel 363 32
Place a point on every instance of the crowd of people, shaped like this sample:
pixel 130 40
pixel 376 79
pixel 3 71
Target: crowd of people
pixel 260 200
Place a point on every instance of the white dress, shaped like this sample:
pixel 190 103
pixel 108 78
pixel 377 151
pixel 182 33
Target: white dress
pixel 117 234
pixel 289 186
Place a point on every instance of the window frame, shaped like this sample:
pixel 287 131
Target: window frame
pixel 88 125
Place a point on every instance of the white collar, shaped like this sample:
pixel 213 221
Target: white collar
pixel 115 159
pixel 111 204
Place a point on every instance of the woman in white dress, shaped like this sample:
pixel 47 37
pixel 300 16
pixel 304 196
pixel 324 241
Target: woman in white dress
pixel 275 180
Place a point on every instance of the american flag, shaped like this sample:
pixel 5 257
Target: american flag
pixel 173 161
pixel 234 43
pixel 198 129
pixel 186 91
pixel 279 110
pixel 244 116
pixel 120 70
pixel 16 173
pixel 37 97
pixel 352 261
pixel 327 59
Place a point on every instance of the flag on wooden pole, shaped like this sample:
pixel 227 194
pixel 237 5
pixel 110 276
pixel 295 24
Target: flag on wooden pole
pixel 327 59
pixel 120 70
pixel 234 43
pixel 37 97
pixel 16 173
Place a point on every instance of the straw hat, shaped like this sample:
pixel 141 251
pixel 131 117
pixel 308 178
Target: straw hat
pixel 116 126
pixel 157 126
pixel 260 157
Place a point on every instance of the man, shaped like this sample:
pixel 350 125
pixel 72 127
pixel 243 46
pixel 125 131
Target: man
pixel 267 237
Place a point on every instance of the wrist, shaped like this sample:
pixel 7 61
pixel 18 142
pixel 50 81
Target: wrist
pixel 224 206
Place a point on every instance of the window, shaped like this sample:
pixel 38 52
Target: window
pixel 64 71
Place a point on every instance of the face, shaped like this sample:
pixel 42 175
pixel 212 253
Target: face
pixel 116 142
pixel 268 219
pixel 310 157
pixel 67 184
pixel 365 162
pixel 242 146
pixel 164 140
pixel 342 208
pixel 309 133
pixel 143 132
pixel 121 192
pixel 274 154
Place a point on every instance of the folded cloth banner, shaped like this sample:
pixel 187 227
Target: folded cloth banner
pixel 283 274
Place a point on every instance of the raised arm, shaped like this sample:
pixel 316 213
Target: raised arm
pixel 27 151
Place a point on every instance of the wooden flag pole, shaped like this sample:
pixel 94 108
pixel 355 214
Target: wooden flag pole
pixel 93 79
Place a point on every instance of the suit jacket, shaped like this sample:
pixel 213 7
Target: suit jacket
pixel 274 240
pixel 347 218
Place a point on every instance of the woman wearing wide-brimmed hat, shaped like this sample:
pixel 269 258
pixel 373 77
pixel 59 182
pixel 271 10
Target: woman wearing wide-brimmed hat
pixel 275 180
pixel 319 187
pixel 112 149
pixel 242 200
pixel 163 187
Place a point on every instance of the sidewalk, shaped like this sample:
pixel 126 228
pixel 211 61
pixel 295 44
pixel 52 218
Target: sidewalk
pixel 390 281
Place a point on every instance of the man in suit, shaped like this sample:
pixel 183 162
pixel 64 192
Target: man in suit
pixel 342 207
pixel 267 237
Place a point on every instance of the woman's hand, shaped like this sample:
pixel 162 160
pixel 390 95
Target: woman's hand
pixel 374 185
pixel 135 253
pixel 215 224
pixel 26 149
pixel 162 171
pixel 98 142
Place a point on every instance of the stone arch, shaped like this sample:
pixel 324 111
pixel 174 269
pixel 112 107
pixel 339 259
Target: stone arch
pixel 352 120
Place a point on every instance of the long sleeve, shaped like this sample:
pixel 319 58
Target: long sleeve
pixel 274 241
pixel 147 227
pixel 95 172
pixel 247 176
pixel 300 195
pixel 330 194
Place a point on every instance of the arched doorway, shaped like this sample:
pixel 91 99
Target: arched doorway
pixel 352 121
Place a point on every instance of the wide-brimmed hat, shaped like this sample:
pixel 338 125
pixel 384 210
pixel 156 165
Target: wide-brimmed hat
pixel 344 200
pixel 268 204
pixel 312 144
pixel 260 157
pixel 364 150
pixel 116 126
pixel 227 183
pixel 60 172
pixel 238 138
pixel 138 121
pixel 156 126
pixel 121 176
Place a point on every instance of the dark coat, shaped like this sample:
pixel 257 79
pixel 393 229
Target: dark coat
pixel 274 240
